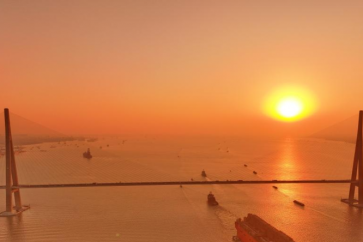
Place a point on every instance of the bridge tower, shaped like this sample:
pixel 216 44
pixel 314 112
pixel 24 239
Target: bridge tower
pixel 357 173
pixel 11 174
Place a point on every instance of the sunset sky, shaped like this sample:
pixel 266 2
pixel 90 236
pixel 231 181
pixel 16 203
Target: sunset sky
pixel 180 67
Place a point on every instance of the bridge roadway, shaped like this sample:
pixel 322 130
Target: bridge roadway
pixel 121 184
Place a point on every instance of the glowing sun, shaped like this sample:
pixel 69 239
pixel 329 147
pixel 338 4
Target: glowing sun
pixel 289 107
pixel 290 104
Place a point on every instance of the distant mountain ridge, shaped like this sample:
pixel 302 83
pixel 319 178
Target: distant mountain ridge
pixel 23 126
pixel 25 131
pixel 345 130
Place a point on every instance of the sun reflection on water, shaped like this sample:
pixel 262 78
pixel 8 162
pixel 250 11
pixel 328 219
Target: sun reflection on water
pixel 288 164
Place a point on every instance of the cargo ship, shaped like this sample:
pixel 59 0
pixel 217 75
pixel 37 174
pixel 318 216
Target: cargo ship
pixel 254 229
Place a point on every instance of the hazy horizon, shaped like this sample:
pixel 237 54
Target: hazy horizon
pixel 345 130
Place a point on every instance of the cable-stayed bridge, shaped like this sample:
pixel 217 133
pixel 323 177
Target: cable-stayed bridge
pixel 13 186
pixel 175 183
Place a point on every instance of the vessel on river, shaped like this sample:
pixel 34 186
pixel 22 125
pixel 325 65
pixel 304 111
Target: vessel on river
pixel 87 154
pixel 212 200
pixel 254 229
pixel 204 174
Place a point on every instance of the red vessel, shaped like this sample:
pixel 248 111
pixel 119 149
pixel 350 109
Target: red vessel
pixel 254 229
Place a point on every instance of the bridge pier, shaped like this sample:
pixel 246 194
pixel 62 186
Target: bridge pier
pixel 357 172
pixel 11 174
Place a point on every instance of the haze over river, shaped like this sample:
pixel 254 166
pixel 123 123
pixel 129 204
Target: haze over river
pixel 172 213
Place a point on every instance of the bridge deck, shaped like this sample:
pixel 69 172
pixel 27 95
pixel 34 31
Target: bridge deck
pixel 177 183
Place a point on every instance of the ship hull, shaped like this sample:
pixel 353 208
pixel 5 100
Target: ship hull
pixel 243 236
pixel 254 229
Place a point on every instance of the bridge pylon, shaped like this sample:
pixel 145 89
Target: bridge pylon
pixel 357 173
pixel 11 174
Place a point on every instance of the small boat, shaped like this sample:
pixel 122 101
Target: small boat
pixel 299 203
pixel 204 174
pixel 212 200
pixel 87 154
pixel 275 187
pixel 254 172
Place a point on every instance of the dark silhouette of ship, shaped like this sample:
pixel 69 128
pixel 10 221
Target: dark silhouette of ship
pixel 299 203
pixel 204 174
pixel 87 154
pixel 254 229
pixel 212 200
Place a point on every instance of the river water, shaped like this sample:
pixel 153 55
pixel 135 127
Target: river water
pixel 172 213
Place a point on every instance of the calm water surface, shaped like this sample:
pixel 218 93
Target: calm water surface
pixel 171 213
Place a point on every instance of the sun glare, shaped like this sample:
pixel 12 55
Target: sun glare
pixel 289 107
pixel 290 104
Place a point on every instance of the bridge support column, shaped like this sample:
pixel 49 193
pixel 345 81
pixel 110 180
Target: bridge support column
pixel 11 174
pixel 357 173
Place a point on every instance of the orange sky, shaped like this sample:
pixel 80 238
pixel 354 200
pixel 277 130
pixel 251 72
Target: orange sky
pixel 178 66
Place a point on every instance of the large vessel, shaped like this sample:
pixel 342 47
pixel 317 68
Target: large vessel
pixel 254 229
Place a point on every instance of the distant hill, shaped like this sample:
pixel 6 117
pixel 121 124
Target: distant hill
pixel 345 130
pixel 23 126
pixel 25 131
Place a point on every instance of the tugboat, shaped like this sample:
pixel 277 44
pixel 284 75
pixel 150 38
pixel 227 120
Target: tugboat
pixel 87 154
pixel 212 200
pixel 204 174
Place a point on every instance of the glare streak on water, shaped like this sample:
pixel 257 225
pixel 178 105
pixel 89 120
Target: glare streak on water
pixel 171 213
